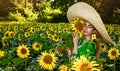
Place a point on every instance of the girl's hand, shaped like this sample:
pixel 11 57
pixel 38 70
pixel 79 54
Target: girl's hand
pixel 75 38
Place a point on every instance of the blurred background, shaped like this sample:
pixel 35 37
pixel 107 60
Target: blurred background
pixel 54 11
pixel 38 26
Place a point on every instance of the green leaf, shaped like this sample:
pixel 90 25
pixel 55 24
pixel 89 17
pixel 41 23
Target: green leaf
pixel 63 35
pixel 17 61
pixel 69 41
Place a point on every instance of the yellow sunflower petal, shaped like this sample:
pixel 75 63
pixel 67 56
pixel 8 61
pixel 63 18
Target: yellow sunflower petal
pixel 47 60
pixel 23 51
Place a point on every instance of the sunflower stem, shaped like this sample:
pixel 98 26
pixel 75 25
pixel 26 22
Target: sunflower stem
pixel 12 43
pixel 114 65
pixel 25 64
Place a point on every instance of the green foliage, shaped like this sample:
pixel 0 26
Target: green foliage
pixel 47 14
pixel 16 17
pixel 63 5
pixel 31 15
pixel 67 37
pixel 23 12
pixel 17 61
pixel 5 7
pixel 11 61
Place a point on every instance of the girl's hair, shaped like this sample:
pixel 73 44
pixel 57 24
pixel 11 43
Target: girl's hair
pixel 97 42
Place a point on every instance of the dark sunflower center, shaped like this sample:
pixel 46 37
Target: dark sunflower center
pixel 50 36
pixel 26 33
pixel 5 42
pixel 84 67
pixel 47 59
pixel 113 53
pixel 7 34
pixel 41 35
pixel 32 30
pixel 37 46
pixel 79 26
pixel 56 37
pixel 102 46
pixel 7 28
pixel 15 27
pixel 12 34
pixel 23 51
pixel 65 30
pixel 59 49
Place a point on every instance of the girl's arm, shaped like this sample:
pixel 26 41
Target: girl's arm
pixel 75 42
pixel 74 50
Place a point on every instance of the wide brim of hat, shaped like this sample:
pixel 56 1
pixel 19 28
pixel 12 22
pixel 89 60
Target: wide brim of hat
pixel 88 13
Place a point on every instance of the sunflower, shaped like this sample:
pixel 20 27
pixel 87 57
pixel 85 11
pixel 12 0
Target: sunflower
pixel 23 51
pixel 60 50
pixel 56 38
pixel 64 68
pixel 27 34
pixel 1 53
pixel 55 31
pixel 38 24
pixel 4 41
pixel 15 27
pixel 50 28
pixel 101 67
pixel 113 53
pixel 113 37
pixel 78 25
pixel 42 35
pixel 65 30
pixel 50 36
pixel 36 46
pixel 19 37
pixel 83 64
pixel 6 34
pixel 52 50
pixel 16 31
pixel 42 27
pixel 93 36
pixel 7 28
pixel 47 60
pixel 32 30
pixel 21 28
pixel 47 32
pixel 28 30
pixel 103 47
pixel 32 35
pixel 11 34
pixel 117 32
pixel 59 30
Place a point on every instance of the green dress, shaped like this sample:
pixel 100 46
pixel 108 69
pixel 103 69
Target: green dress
pixel 88 48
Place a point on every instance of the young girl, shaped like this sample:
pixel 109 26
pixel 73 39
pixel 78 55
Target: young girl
pixel 93 27
pixel 87 44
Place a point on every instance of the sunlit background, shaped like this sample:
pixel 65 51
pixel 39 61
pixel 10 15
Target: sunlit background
pixel 35 36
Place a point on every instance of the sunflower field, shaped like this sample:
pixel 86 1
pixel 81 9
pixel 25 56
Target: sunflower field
pixel 43 47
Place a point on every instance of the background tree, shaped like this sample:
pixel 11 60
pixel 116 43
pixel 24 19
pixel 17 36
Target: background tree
pixel 5 7
pixel 108 10
pixel 54 11
pixel 63 5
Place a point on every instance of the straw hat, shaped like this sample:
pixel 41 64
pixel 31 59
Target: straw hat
pixel 88 13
